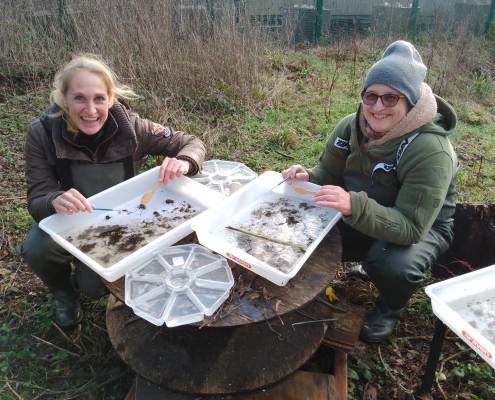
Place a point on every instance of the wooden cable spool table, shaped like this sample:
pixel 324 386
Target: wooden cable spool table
pixel 249 343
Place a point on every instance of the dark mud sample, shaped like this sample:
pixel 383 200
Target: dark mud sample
pixel 142 207
pixel 114 234
pixel 169 201
pixel 87 247
pixel 131 243
pixel 307 206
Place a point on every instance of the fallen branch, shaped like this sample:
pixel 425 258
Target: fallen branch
pixel 299 246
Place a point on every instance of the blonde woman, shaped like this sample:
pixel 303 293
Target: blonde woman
pixel 86 142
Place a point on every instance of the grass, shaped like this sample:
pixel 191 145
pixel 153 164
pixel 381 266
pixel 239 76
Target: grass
pixel 266 107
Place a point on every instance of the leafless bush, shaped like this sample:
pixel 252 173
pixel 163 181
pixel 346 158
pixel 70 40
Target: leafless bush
pixel 175 54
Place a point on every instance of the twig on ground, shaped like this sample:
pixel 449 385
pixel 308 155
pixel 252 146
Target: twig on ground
pixel 59 348
pixel 96 387
pixel 453 356
pixel 426 338
pixel 409 392
pixel 439 388
pixel 12 198
pixel 66 337
pixel 98 327
pixel 285 155
pixel 12 390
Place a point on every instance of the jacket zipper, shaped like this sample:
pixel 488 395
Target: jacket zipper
pixel 386 222
pixel 419 201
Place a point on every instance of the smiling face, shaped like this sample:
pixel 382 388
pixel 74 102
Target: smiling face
pixel 87 101
pixel 379 117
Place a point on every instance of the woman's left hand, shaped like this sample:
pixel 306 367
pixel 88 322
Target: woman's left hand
pixel 335 197
pixel 171 168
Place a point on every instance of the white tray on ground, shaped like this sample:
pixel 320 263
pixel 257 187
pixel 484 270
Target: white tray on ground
pixel 112 242
pixel 466 304
pixel 280 214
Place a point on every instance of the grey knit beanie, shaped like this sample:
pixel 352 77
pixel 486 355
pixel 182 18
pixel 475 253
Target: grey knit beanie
pixel 400 68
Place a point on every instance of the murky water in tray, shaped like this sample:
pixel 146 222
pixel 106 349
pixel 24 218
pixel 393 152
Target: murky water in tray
pixel 284 219
pixel 116 235
pixel 479 311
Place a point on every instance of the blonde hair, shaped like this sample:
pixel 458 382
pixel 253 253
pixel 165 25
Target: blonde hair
pixel 91 63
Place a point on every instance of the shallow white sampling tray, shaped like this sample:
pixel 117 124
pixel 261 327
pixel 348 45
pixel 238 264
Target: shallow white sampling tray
pixel 280 214
pixel 224 177
pixel 466 304
pixel 112 242
pixel 178 285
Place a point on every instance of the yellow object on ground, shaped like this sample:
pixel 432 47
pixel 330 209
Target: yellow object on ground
pixel 331 294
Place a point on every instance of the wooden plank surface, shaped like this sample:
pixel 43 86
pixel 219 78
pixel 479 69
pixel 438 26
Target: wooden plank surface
pixel 253 298
pixel 299 386
pixel 190 359
pixel 340 374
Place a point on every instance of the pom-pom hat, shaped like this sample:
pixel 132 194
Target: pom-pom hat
pixel 401 68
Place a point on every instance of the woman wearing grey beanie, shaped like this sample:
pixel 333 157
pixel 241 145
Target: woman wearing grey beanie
pixel 390 170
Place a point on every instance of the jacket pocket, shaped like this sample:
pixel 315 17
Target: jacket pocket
pixel 386 223
pixel 418 203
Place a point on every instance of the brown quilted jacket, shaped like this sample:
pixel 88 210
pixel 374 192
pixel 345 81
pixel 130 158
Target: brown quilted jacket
pixel 47 139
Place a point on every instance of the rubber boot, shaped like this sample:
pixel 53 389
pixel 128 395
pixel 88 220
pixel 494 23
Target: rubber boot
pixel 380 323
pixel 68 312
pixel 359 272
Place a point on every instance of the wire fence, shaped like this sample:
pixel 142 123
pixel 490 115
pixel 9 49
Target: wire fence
pixel 289 22
pixel 326 20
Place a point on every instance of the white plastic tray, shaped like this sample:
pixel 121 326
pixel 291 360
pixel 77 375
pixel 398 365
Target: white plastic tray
pixel 466 305
pixel 178 285
pixel 280 214
pixel 112 242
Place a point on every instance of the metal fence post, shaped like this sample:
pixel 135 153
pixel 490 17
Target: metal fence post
pixel 319 18
pixel 491 15
pixel 414 18
pixel 211 8
pixel 62 18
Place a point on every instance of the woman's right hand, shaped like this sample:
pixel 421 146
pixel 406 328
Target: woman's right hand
pixel 295 172
pixel 71 202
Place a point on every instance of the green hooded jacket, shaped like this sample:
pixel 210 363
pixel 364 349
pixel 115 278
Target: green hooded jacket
pixel 402 186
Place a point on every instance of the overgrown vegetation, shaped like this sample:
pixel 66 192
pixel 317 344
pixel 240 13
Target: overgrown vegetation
pixel 265 106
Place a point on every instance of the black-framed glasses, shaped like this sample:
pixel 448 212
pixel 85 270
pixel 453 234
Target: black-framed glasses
pixel 388 100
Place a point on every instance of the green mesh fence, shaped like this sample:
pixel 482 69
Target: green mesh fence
pixel 289 22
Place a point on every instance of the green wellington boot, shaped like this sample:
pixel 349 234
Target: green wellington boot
pixel 68 312
pixel 380 323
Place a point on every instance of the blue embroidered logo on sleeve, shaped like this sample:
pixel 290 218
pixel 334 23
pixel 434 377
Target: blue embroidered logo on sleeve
pixel 159 130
